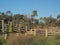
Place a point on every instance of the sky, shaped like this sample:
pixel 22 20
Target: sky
pixel 44 8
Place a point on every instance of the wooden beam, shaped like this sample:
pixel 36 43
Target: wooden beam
pixel 3 26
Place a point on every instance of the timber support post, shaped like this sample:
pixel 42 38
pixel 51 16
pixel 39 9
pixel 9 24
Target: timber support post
pixel 3 26
pixel 5 34
pixel 26 31
pixel 46 32
pixel 34 32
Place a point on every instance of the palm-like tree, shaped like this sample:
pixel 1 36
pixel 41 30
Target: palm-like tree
pixel 34 13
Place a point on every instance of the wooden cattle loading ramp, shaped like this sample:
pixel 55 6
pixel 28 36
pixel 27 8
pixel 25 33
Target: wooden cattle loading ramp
pixel 7 29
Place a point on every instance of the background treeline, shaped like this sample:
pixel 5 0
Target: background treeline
pixel 31 21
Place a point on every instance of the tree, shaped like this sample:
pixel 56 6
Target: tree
pixel 48 21
pixel 34 13
pixel 58 20
pixel 2 16
pixel 9 13
pixel 58 16
pixel 0 13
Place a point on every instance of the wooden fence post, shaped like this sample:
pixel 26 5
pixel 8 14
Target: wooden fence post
pixel 34 32
pixel 26 31
pixel 3 26
pixel 46 32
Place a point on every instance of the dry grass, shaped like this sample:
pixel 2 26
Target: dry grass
pixel 32 40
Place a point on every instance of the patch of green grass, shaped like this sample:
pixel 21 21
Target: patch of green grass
pixel 51 40
pixel 3 41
